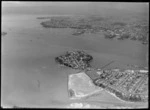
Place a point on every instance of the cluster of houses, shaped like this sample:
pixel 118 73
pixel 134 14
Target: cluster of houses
pixel 128 85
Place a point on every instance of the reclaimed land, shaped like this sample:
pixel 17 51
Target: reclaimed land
pixel 114 82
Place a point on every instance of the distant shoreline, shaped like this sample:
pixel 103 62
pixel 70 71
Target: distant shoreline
pixel 84 24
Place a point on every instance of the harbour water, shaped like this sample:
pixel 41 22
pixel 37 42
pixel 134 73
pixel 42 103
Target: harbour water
pixel 29 73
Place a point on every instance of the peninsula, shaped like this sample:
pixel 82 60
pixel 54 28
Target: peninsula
pixel 127 85
pixel 110 27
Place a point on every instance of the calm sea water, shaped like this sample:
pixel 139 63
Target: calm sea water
pixel 31 76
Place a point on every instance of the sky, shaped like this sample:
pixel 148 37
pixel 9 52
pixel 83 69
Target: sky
pixel 74 6
pixel 105 4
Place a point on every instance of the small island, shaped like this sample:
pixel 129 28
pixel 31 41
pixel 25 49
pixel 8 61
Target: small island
pixel 43 17
pixel 75 59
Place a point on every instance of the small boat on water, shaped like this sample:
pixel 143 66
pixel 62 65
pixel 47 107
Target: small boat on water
pixel 3 33
pixel 78 33
pixel 144 42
